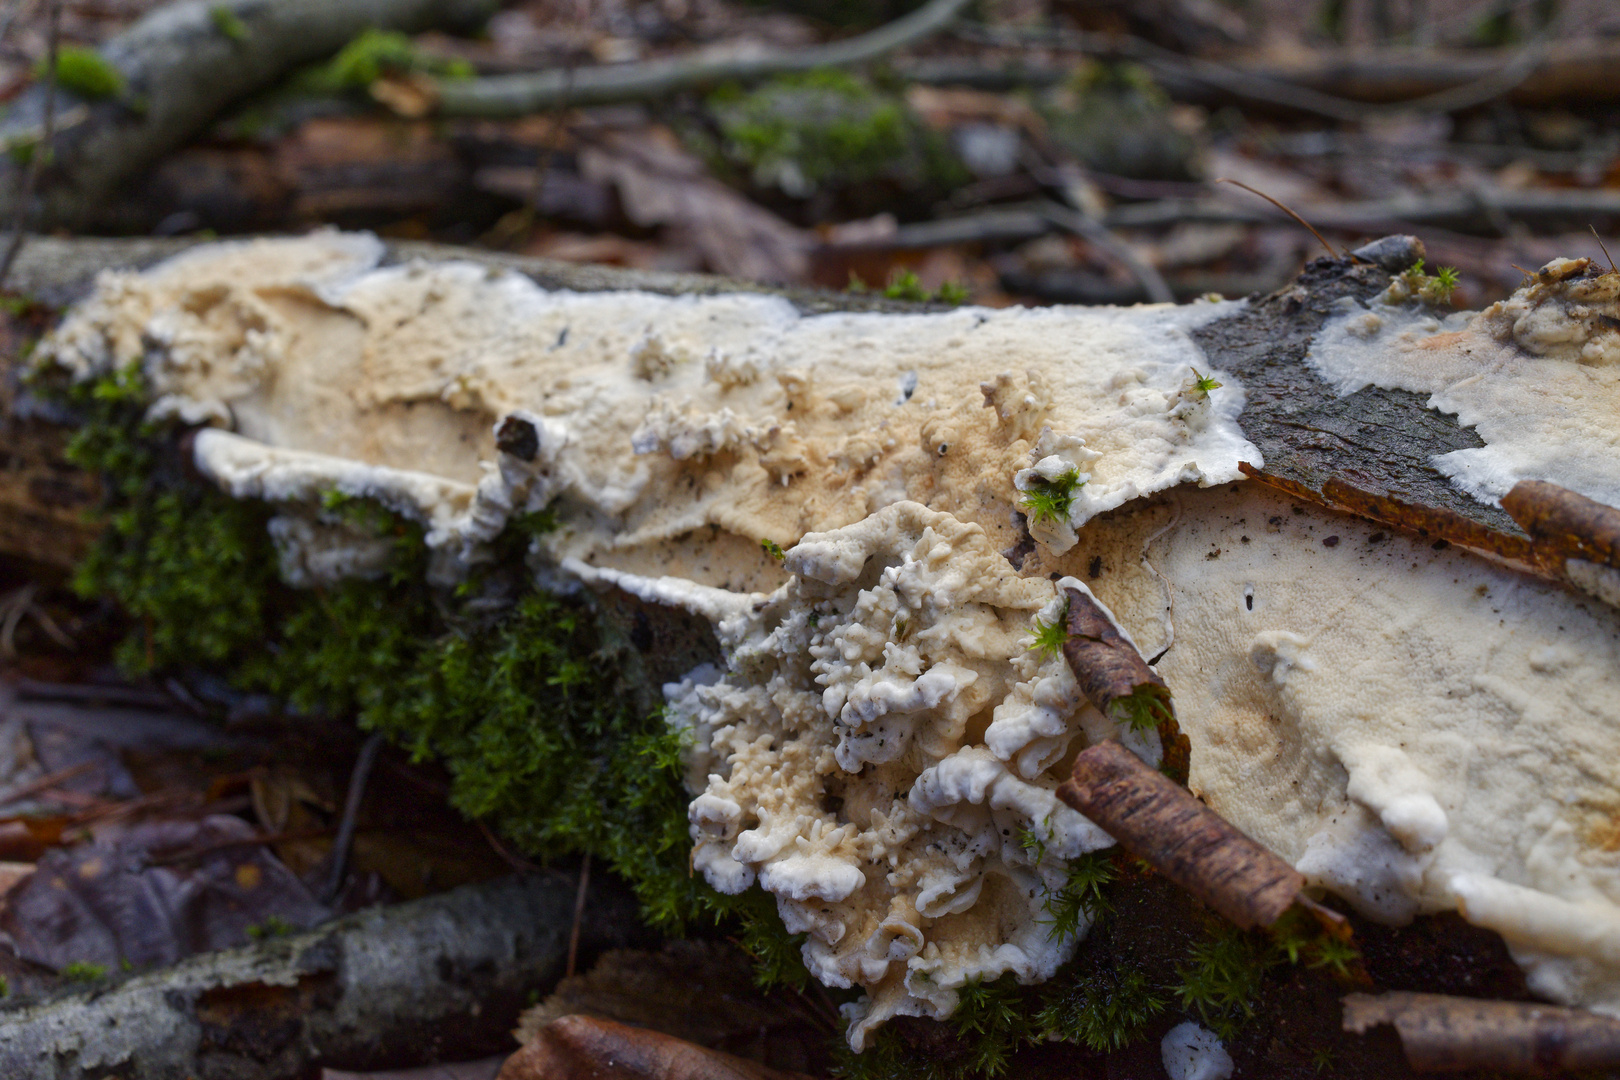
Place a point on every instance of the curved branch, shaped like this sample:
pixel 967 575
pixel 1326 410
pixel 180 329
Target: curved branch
pixel 514 95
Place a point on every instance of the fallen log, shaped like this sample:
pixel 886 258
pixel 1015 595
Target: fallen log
pixel 440 977
pixel 761 472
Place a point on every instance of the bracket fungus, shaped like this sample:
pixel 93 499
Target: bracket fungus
pixel 1412 727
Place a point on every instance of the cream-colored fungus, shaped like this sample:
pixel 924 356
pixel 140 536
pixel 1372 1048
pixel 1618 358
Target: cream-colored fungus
pixel 1536 375
pixel 1416 730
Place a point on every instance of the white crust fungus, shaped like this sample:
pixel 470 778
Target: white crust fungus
pixel 1415 730
pixel 1191 1052
pixel 1536 375
pixel 876 754
pixel 661 415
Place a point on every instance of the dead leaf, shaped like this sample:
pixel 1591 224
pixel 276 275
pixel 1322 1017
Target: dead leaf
pixel 660 184
pixel 410 95
pixel 153 893
pixel 586 1048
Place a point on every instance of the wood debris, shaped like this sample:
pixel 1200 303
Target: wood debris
pixel 1117 680
pixel 1163 823
pixel 584 1046
pixel 1450 1034
pixel 1563 525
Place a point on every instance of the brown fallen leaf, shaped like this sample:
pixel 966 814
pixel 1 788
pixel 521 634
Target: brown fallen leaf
pixel 136 895
pixel 660 184
pixel 1163 823
pixel 586 1048
pixel 1452 1034
pixel 1117 680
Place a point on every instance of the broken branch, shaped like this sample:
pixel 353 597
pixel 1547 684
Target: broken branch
pixel 1452 1034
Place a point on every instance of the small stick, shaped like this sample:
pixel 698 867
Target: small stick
pixel 46 782
pixel 1279 205
pixel 351 813
pixel 579 913
pixel 1160 821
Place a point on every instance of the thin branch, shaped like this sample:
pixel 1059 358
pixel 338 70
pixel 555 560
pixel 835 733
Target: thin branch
pixel 516 95
pixel 579 913
pixel 351 814
pixel 42 151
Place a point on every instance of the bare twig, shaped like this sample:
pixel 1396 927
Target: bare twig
pixel 351 813
pixel 19 603
pixel 46 782
pixel 1095 232
pixel 1604 246
pixel 579 912
pixel 515 95
pixel 42 151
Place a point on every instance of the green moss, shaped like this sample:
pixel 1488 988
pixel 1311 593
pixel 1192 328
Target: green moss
pixel 1049 500
pixel 80 971
pixel 1082 899
pixel 1145 709
pixel 1106 1009
pixel 228 23
pixel 1222 978
pixel 84 72
pixel 372 55
pixel 826 130
pixel 1048 638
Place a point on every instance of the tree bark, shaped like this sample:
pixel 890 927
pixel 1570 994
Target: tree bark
pixel 384 988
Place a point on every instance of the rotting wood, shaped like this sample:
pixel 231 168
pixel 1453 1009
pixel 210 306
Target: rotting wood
pixel 588 1046
pixel 383 988
pixel 1369 453
pixel 1112 673
pixel 1161 822
pixel 1453 1034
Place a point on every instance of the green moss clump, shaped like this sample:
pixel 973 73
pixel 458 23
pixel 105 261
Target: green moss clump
pixel 827 130
pixel 369 57
pixel 1049 500
pixel 1116 119
pixel 84 72
pixel 228 23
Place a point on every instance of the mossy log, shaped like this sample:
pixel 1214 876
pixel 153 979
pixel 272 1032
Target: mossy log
pixel 466 688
